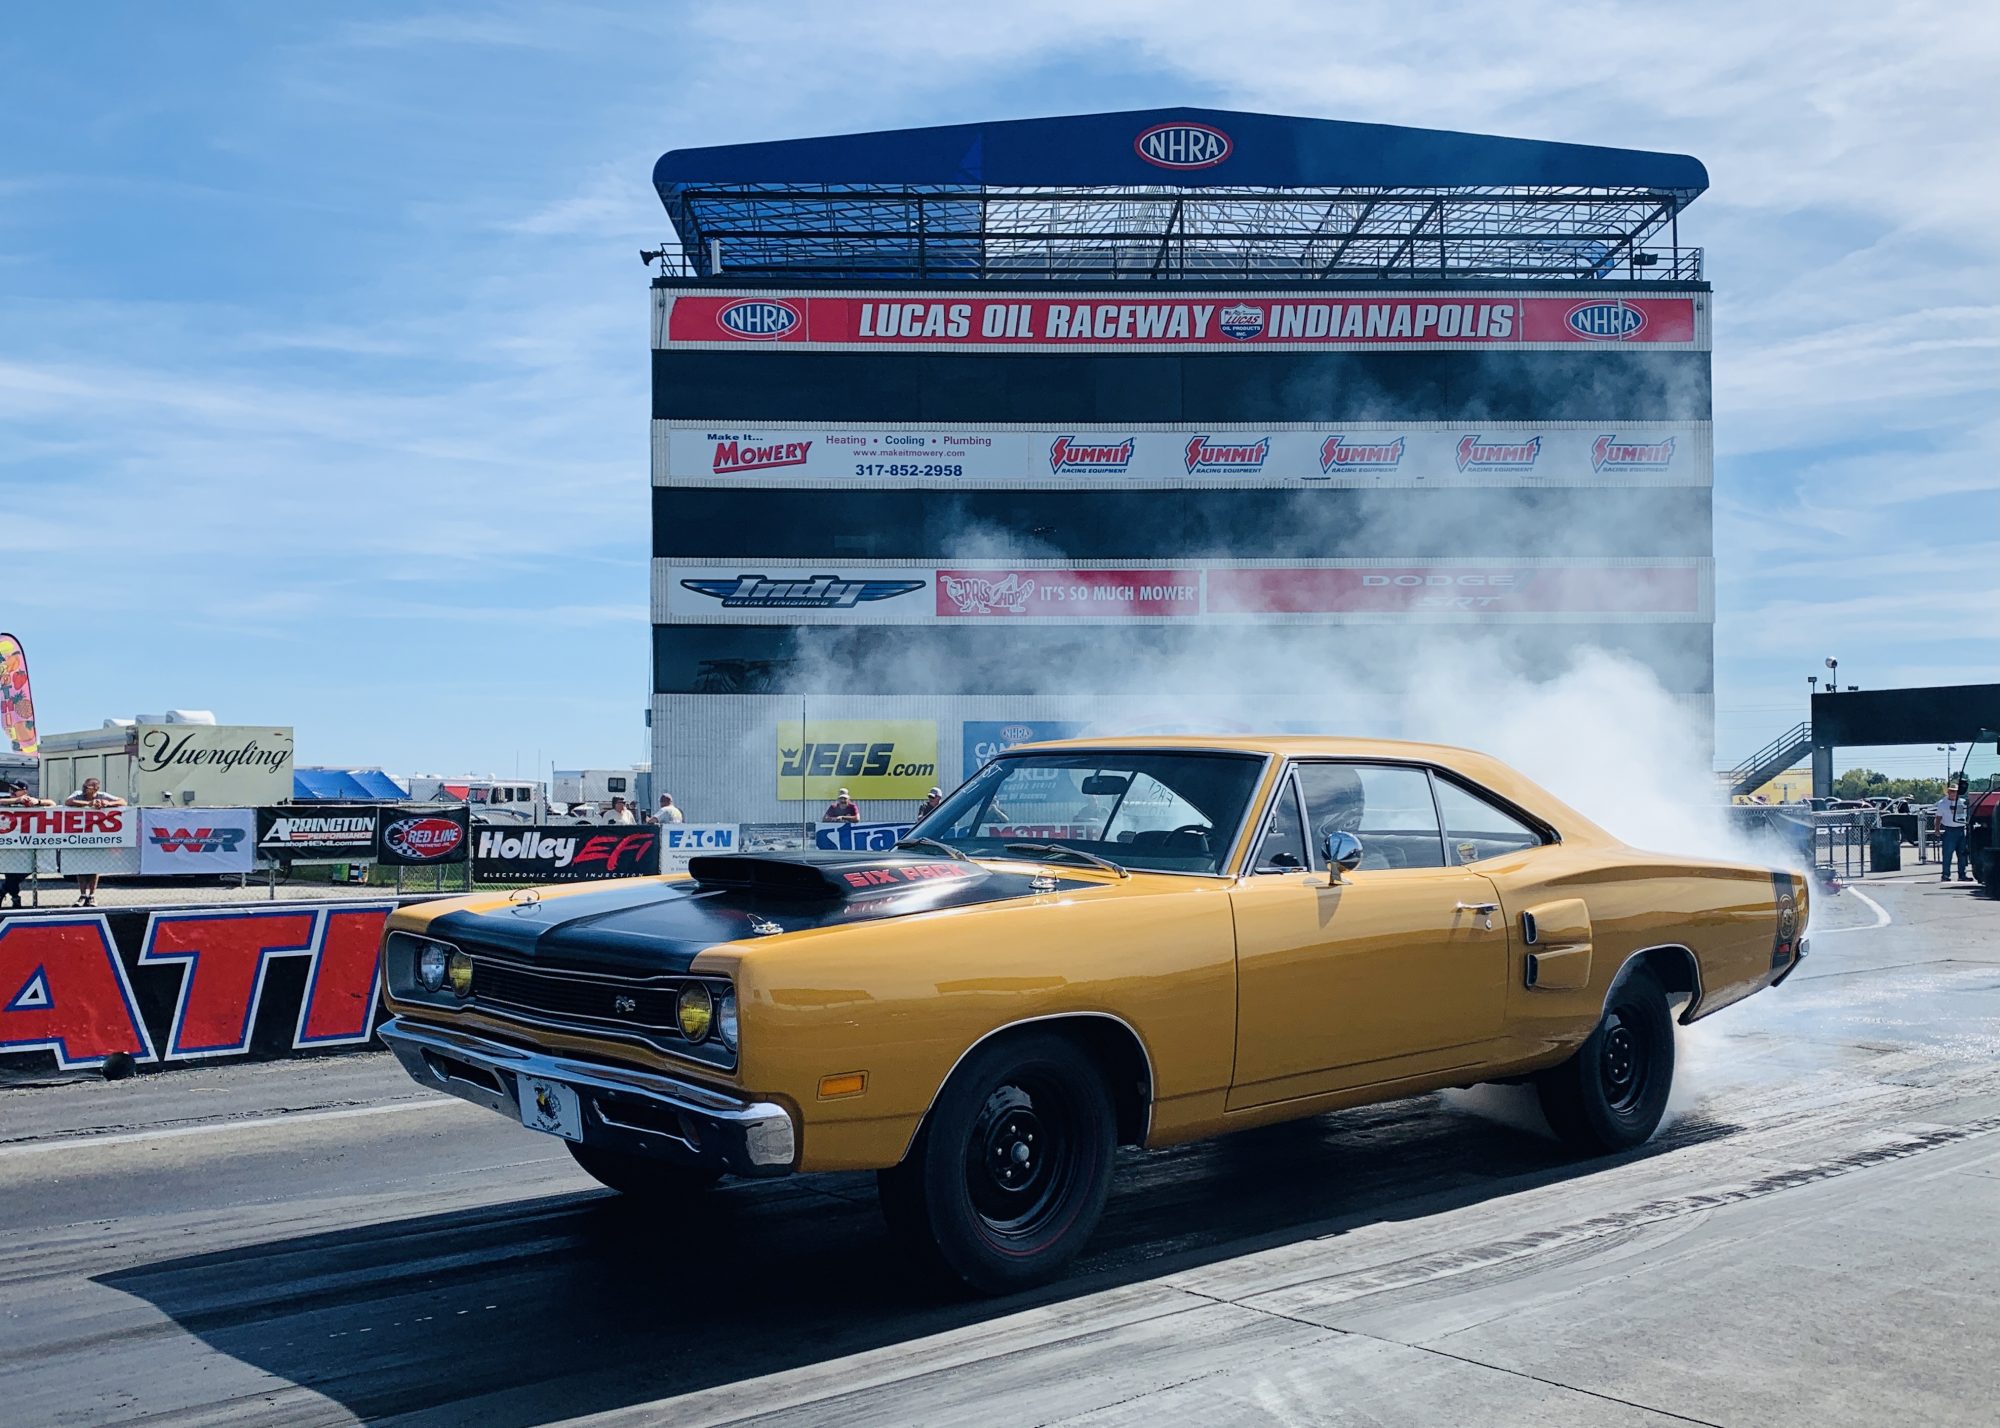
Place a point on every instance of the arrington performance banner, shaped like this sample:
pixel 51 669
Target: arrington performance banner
pixel 179 841
pixel 17 702
pixel 559 853
pixel 1332 591
pixel 303 833
pixel 1222 321
pixel 61 828
pixel 410 839
pixel 871 758
pixel 1343 455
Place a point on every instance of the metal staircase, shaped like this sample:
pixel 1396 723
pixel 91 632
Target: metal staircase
pixel 1773 759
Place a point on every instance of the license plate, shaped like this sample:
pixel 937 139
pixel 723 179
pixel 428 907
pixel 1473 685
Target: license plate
pixel 551 1107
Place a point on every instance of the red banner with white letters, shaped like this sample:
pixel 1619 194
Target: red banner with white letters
pixel 186 984
pixel 1221 321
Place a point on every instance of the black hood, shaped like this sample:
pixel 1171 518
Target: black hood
pixel 647 927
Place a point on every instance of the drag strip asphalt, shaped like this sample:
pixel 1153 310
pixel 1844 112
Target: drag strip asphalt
pixel 1813 1239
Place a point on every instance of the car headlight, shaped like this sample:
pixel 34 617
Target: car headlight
pixel 695 1011
pixel 725 1019
pixel 430 965
pixel 458 967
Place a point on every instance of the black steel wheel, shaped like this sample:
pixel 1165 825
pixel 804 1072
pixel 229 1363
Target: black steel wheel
pixel 1611 1094
pixel 1009 1174
pixel 641 1176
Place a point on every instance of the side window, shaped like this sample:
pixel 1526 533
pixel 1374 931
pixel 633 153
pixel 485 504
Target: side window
pixel 614 785
pixel 1283 849
pixel 1474 829
pixel 1388 808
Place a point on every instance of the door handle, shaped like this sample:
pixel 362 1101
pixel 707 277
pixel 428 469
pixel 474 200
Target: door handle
pixel 1479 907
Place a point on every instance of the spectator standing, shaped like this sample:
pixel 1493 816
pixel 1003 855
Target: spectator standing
pixel 16 795
pixel 1951 829
pixel 620 812
pixel 930 803
pixel 843 809
pixel 669 812
pixel 91 795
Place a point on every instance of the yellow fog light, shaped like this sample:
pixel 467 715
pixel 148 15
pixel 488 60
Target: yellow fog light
pixel 458 969
pixel 695 1010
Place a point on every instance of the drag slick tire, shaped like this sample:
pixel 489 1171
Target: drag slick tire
pixel 1008 1177
pixel 1611 1094
pixel 641 1176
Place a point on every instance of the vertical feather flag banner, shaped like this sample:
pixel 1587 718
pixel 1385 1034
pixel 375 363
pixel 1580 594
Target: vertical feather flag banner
pixel 17 703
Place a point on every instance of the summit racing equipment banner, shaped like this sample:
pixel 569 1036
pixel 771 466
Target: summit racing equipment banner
pixel 870 758
pixel 564 853
pixel 1349 455
pixel 187 985
pixel 177 841
pixel 69 827
pixel 417 838
pixel 305 832
pixel 1650 589
pixel 1217 320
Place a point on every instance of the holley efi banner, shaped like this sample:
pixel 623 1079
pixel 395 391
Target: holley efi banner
pixel 558 853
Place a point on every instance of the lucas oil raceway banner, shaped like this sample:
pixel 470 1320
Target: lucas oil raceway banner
pixel 188 984
pixel 1353 454
pixel 1654 590
pixel 1204 321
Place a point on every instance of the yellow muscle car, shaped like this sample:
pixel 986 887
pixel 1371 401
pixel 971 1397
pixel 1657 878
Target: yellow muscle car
pixel 1089 944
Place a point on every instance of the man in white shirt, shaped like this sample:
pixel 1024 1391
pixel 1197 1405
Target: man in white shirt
pixel 619 813
pixel 668 813
pixel 1951 825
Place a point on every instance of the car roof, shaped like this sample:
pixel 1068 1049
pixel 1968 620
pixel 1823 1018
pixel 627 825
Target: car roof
pixel 1480 769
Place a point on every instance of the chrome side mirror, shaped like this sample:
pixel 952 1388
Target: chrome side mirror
pixel 1343 855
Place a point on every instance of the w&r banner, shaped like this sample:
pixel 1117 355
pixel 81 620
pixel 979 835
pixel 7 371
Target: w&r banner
pixel 177 841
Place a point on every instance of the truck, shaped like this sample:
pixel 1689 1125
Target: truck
pixel 493 800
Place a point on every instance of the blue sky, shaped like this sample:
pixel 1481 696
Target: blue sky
pixel 323 335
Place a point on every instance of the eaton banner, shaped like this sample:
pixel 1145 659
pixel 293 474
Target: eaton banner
pixel 60 828
pixel 1658 589
pixel 682 841
pixel 1349 455
pixel 1220 321
pixel 177 842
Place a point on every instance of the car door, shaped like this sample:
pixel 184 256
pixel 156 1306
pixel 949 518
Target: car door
pixel 1399 969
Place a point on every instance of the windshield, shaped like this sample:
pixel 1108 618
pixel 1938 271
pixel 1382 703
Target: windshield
pixel 1174 812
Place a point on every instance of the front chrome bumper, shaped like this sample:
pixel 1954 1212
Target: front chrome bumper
pixel 623 1108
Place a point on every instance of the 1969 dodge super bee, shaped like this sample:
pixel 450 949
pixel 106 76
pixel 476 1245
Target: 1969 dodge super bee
pixel 1090 944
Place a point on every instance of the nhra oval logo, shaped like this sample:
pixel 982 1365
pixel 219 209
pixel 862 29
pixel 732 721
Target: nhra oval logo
pixel 426 838
pixel 1183 146
pixel 1017 734
pixel 760 319
pixel 1605 321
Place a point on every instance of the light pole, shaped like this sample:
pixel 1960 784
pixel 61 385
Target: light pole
pixel 1833 680
pixel 1950 751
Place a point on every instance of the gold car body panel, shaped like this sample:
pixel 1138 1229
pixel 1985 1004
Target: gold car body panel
pixel 1253 997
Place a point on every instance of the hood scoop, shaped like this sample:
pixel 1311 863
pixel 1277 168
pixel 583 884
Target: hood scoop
pixel 828 877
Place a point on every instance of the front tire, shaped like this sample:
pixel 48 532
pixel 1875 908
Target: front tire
pixel 641 1176
pixel 1611 1094
pixel 1008 1178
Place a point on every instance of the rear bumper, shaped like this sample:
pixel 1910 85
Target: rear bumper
pixel 623 1108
